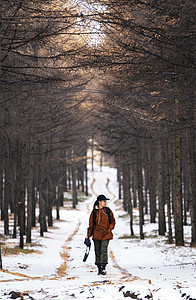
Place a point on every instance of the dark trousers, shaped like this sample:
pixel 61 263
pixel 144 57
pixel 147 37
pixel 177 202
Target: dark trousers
pixel 101 252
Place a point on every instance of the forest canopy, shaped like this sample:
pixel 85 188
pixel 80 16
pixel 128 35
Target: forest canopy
pixel 118 76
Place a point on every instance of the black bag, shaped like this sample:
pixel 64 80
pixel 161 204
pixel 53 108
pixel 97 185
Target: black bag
pixel 86 254
pixel 87 242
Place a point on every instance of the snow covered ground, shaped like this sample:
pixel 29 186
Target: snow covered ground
pixel 147 269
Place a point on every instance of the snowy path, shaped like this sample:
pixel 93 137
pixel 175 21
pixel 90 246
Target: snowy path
pixel 135 267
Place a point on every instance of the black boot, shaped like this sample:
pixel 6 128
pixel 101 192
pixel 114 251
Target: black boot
pixel 103 270
pixel 99 270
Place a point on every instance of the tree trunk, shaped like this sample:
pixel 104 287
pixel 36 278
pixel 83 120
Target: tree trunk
pixel 1 190
pixel 42 216
pixel 185 182
pixel 21 210
pixel 34 190
pixel 160 184
pixel 86 179
pixel 1 178
pixel 42 188
pixel 146 183
pixel 6 193
pixel 69 170
pixel 74 187
pixel 29 195
pixel 127 193
pixel 58 195
pixel 1 264
pixel 101 161
pixel 17 185
pixel 129 199
pixel 21 223
pixel 34 201
pixel 140 186
pixel 192 181
pixel 65 182
pixel 134 182
pixel 1 186
pixel 172 174
pixel 92 154
pixel 179 237
pixel 119 182
pixel 167 192
pixel 125 197
pixel 152 181
pixel 50 197
pixel 82 177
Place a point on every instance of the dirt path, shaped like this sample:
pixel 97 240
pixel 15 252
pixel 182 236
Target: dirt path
pixel 58 270
pixel 74 277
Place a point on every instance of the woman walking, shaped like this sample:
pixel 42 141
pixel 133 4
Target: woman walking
pixel 101 224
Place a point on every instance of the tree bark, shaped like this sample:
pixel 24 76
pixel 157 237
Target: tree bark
pixel 74 179
pixel 185 181
pixel 119 182
pixel 86 179
pixel 58 195
pixel 167 192
pixel 192 181
pixel 140 186
pixel 146 181
pixel 1 186
pixel 126 186
pixel 1 263
pixel 179 237
pixel 6 192
pixel 21 221
pixel 29 194
pixel 51 198
pixel 42 189
pixel 160 184
pixel 134 181
pixel 152 181
pixel 127 193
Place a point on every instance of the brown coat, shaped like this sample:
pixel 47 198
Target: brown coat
pixel 103 229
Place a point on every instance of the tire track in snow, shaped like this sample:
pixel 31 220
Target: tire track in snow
pixel 126 275
pixel 92 188
pixel 65 255
pixel 115 264
pixel 123 271
pixel 62 270
pixel 27 277
pixel 92 184
pixel 107 186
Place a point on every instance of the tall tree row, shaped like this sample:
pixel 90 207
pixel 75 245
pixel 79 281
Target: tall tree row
pixel 138 59
pixel 39 111
pixel 150 106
